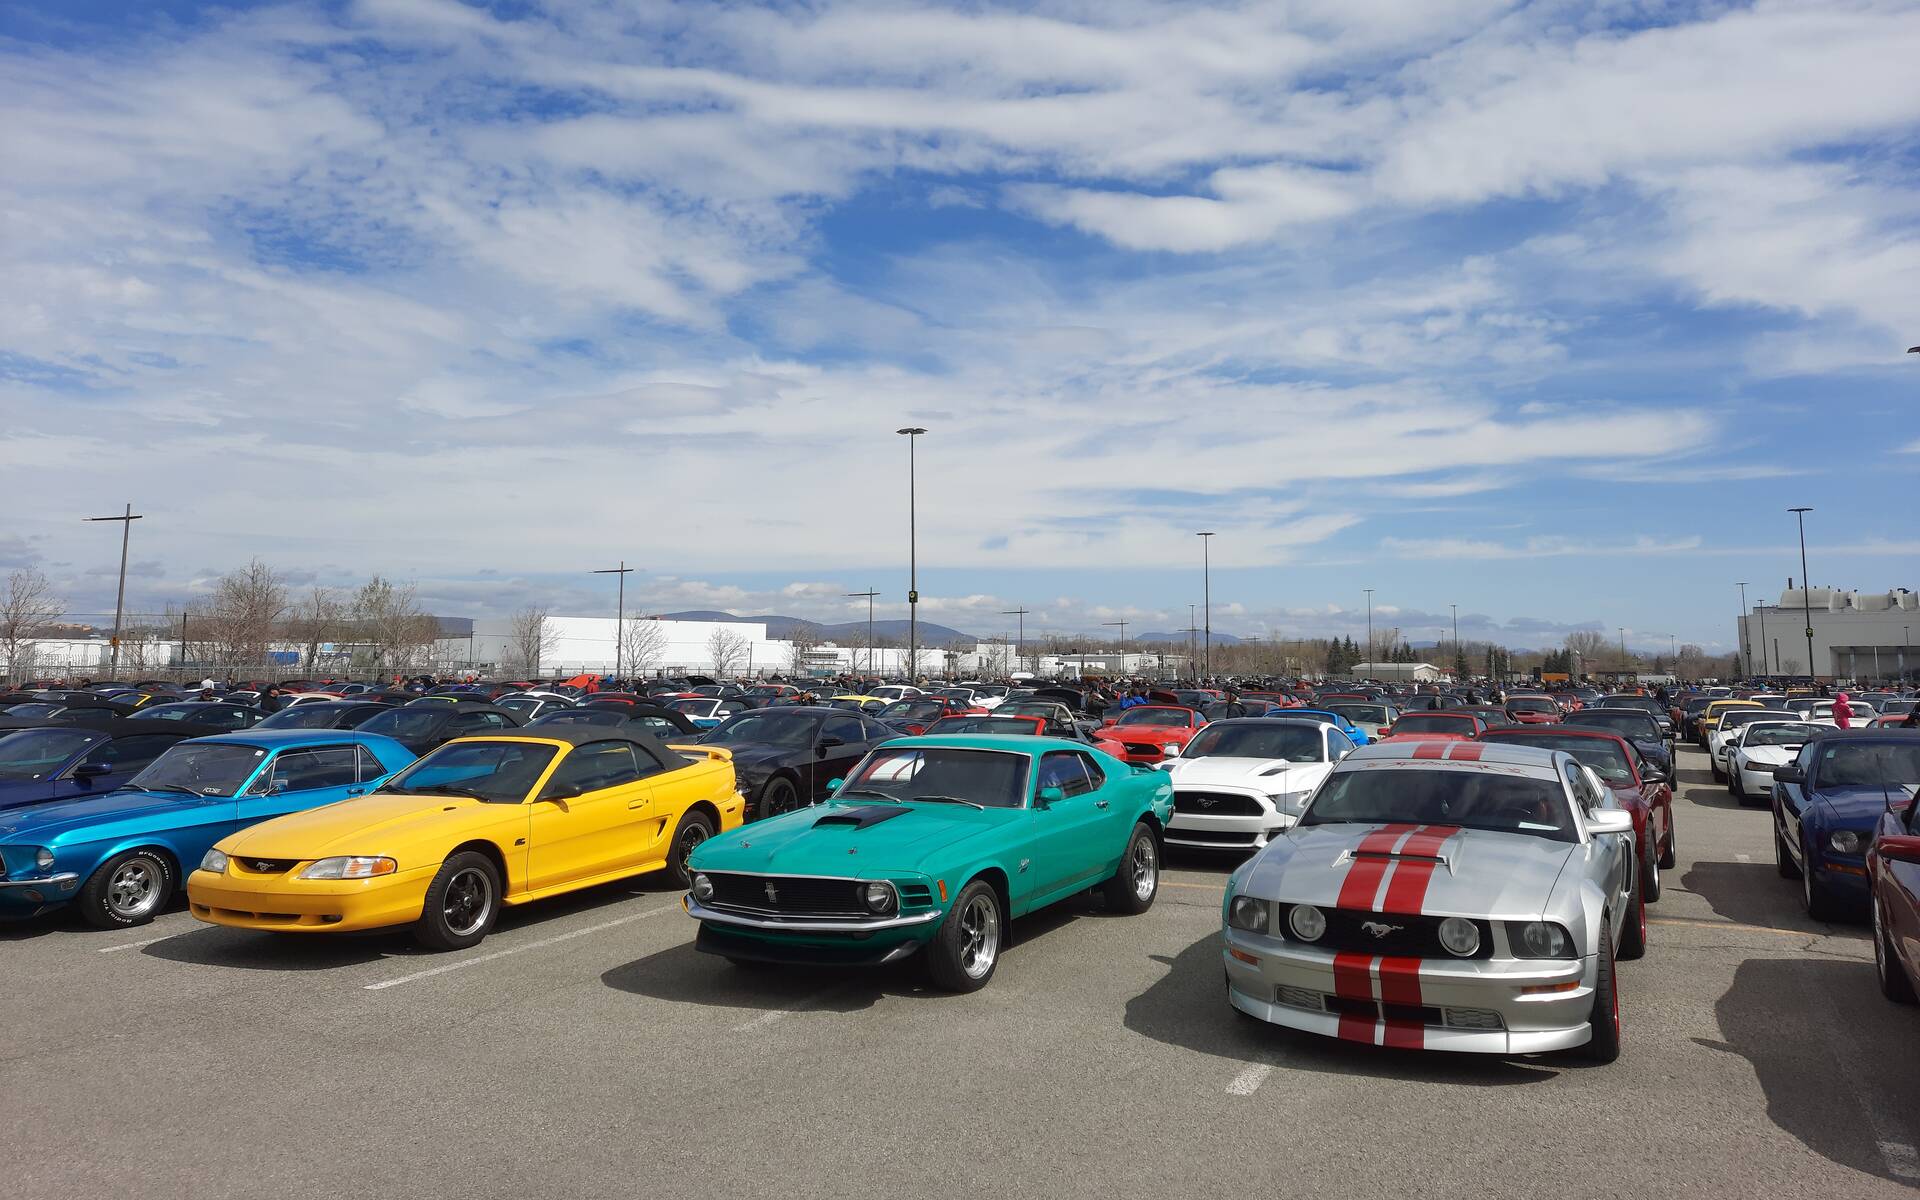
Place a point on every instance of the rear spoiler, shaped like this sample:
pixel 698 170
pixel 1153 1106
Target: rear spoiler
pixel 710 753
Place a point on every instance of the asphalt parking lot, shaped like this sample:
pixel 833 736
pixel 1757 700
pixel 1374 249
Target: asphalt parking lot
pixel 586 1050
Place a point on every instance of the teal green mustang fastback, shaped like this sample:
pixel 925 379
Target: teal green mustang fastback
pixel 931 846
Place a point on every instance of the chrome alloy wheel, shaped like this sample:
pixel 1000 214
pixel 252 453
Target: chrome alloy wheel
pixel 979 936
pixel 690 838
pixel 467 901
pixel 134 890
pixel 1145 869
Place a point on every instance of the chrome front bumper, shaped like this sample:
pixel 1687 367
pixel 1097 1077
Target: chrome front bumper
pixel 777 924
pixel 63 882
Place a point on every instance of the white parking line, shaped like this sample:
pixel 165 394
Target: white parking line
pixel 1247 1082
pixel 136 945
pixel 1743 858
pixel 780 1014
pixel 542 943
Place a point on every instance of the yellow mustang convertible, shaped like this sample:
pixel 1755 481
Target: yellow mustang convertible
pixel 478 823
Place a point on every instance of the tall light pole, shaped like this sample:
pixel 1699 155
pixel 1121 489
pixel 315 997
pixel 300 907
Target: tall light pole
pixel 1021 612
pixel 620 619
pixel 1806 589
pixel 1192 632
pixel 1206 592
pixel 1456 630
pixel 1766 661
pixel 1123 642
pixel 1369 592
pixel 1746 643
pixel 869 594
pixel 126 520
pixel 912 434
pixel 1623 651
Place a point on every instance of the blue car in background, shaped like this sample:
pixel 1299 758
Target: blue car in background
pixel 60 762
pixel 121 857
pixel 1354 732
pixel 1826 805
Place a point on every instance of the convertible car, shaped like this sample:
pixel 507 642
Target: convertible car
pixel 119 857
pixel 479 823
pixel 932 845
pixel 1761 747
pixel 1443 895
pixel 1240 784
pixel 1827 803
pixel 1893 878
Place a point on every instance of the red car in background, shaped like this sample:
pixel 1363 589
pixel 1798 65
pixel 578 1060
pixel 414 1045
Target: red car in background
pixel 1533 710
pixel 1439 725
pixel 1618 765
pixel 1145 731
pixel 1893 885
pixel 916 714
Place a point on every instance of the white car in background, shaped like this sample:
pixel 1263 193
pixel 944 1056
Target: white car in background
pixel 1757 748
pixel 1731 723
pixel 893 691
pixel 1242 782
pixel 1820 711
pixel 987 695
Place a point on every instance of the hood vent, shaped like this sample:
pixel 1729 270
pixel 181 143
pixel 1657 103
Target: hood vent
pixel 864 816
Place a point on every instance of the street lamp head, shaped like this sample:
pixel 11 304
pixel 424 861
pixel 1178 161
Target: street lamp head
pixel 1800 510
pixel 910 430
pixel 1207 533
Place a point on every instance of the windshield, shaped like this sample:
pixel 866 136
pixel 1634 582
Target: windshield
pixel 694 708
pixel 39 709
pixel 1029 708
pixel 1370 714
pixel 496 772
pixel 37 753
pixel 202 768
pixel 1782 733
pixel 990 778
pixel 1846 763
pixel 1472 799
pixel 1434 722
pixel 1269 739
pixel 410 722
pixel 769 726
pixel 519 704
pixel 302 716
pixel 911 710
pixel 1155 716
pixel 1011 726
pixel 1748 716
pixel 582 716
pixel 1621 721
pixel 190 711
pixel 1607 758
pixel 1532 704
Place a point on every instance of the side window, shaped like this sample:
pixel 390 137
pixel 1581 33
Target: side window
pixel 370 767
pixel 847 729
pixel 129 753
pixel 1096 778
pixel 877 732
pixel 1065 770
pixel 659 727
pixel 1577 784
pixel 309 770
pixel 1337 744
pixel 596 765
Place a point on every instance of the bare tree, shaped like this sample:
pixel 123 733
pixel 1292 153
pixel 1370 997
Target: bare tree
pixel 643 643
pixel 389 621
pixel 1588 644
pixel 805 639
pixel 995 661
pixel 28 607
pixel 530 638
pixel 317 620
pixel 728 650
pixel 239 622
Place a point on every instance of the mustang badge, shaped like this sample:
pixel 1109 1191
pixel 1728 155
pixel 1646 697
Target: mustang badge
pixel 1378 929
pixel 773 894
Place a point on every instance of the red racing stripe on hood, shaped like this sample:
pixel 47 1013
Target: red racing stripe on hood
pixel 1407 890
pixel 1368 866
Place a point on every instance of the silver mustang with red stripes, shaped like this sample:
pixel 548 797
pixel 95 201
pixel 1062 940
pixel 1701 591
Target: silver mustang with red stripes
pixel 1445 896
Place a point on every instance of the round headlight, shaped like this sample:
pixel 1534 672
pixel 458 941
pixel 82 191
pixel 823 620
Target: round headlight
pixel 1248 912
pixel 43 858
pixel 1847 841
pixel 702 888
pixel 1460 936
pixel 1307 922
pixel 1540 939
pixel 214 862
pixel 879 897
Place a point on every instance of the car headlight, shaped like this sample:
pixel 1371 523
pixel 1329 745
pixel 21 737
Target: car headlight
pixel 1291 803
pixel 1538 939
pixel 1307 922
pixel 879 897
pixel 1460 936
pixel 352 867
pixel 1848 841
pixel 214 862
pixel 42 857
pixel 1249 913
pixel 702 888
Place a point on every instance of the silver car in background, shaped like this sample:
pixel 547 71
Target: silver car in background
pixel 1447 896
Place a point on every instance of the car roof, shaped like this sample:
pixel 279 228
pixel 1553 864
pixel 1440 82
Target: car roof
pixel 1510 733
pixel 1017 744
pixel 275 739
pixel 578 735
pixel 1534 761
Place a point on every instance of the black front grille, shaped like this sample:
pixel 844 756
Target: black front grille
pixel 788 895
pixel 1215 804
pixel 268 866
pixel 1392 936
pixel 1218 837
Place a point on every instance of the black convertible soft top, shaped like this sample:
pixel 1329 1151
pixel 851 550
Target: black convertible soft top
pixel 583 735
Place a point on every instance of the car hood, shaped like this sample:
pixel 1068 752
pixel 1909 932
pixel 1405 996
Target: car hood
pixel 1239 772
pixel 43 824
pixel 798 843
pixel 383 823
pixel 1146 733
pixel 749 755
pixel 1769 756
pixel 1860 808
pixel 1487 873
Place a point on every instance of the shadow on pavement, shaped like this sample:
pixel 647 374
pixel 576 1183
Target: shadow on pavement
pixel 1188 1008
pixel 1838 1077
pixel 253 950
pixel 1754 894
pixel 60 920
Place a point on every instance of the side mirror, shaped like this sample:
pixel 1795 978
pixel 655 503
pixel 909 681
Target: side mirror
pixel 1172 750
pixel 1656 775
pixel 829 742
pixel 560 791
pixel 833 785
pixel 91 770
pixel 1609 820
pixel 1898 848
pixel 1790 773
pixel 1048 797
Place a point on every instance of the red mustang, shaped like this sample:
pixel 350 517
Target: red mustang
pixel 1893 878
pixel 1533 710
pixel 1435 726
pixel 1618 765
pixel 1145 731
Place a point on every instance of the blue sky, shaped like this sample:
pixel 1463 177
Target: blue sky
pixel 1547 310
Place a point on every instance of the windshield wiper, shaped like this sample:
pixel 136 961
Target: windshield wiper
pixel 172 787
pixel 451 789
pixel 865 792
pixel 951 800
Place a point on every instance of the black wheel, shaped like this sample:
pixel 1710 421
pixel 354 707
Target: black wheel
pixel 131 889
pixel 779 796
pixel 1667 851
pixel 1894 984
pixel 694 828
pixel 1782 861
pixel 1604 1017
pixel 462 902
pixel 962 956
pixel 1649 870
pixel 1820 906
pixel 1633 934
pixel 1713 764
pixel 1137 882
pixel 1733 783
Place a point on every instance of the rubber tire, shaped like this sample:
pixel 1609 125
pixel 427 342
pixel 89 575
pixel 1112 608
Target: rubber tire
pixel 776 787
pixel 1633 935
pixel 1604 1016
pixel 943 952
pixel 676 869
pixel 1733 786
pixel 1819 905
pixel 1668 856
pixel 1782 862
pixel 1119 891
pixel 1894 984
pixel 1650 874
pixel 92 901
pixel 431 929
pixel 1713 765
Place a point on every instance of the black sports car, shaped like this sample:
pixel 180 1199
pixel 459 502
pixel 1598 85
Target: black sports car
pixel 786 757
pixel 422 727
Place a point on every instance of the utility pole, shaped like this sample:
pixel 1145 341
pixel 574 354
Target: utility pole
pixel 1019 655
pixel 1806 589
pixel 912 434
pixel 126 520
pixel 1192 630
pixel 1456 629
pixel 1369 592
pixel 1746 643
pixel 619 621
pixel 869 594
pixel 1123 642
pixel 1206 583
pixel 1623 652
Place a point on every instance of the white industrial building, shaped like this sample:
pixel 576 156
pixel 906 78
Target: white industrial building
pixel 1865 636
pixel 1397 672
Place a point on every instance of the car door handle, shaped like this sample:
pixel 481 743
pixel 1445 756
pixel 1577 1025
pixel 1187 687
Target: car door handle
pixel 639 803
pixel 1102 804
pixel 356 791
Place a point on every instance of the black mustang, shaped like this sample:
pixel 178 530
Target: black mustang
pixel 786 757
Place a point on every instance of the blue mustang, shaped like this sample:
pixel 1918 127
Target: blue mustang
pixel 60 762
pixel 121 857
pixel 1356 734
pixel 1826 804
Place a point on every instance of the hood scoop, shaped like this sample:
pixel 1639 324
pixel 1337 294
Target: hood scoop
pixel 863 817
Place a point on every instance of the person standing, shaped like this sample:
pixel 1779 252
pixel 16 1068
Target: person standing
pixel 1842 712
